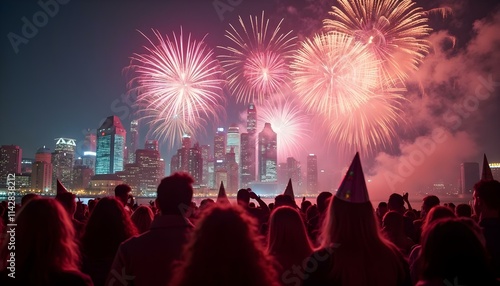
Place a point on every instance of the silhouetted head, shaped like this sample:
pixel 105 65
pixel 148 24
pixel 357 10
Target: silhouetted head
pixel 122 193
pixel 438 212
pixel 110 220
pixel 287 238
pixel 175 193
pixel 28 197
pixel 243 197
pixel 428 203
pixel 45 242
pixel 222 234
pixel 396 203
pixel 304 205
pixel 142 218
pixel 283 200
pixel 486 197
pixel 322 201
pixel 393 222
pixel 463 210
pixel 382 209
pixel 452 250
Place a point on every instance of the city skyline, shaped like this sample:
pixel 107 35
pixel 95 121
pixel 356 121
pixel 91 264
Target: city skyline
pixel 70 73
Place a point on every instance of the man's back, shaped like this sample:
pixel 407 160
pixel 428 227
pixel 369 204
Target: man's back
pixel 147 259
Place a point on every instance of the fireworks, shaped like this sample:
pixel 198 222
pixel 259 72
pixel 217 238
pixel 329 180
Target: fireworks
pixel 394 31
pixel 178 84
pixel 333 75
pixel 256 62
pixel 369 126
pixel 290 124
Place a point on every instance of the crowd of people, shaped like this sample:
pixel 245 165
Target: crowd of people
pixel 340 239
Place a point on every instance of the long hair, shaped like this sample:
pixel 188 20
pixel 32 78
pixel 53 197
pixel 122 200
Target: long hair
pixel 451 250
pixel 287 238
pixel 225 249
pixel 362 256
pixel 45 242
pixel 142 218
pixel 107 227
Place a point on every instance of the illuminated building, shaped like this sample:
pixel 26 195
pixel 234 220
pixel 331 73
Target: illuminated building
pixel 63 159
pixel 10 162
pixel 268 155
pixel 469 175
pixel 110 146
pixel 312 174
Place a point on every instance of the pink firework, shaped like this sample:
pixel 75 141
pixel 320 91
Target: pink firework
pixel 333 75
pixel 290 124
pixel 256 62
pixel 178 84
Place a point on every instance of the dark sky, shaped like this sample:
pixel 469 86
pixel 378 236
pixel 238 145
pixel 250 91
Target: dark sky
pixel 69 75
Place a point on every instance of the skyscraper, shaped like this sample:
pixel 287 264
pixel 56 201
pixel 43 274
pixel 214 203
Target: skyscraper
pixel 195 163
pixel 469 175
pixel 41 175
pixel 268 155
pixel 233 141
pixel 63 159
pixel 205 156
pixel 247 166
pixel 111 138
pixel 294 172
pixel 232 172
pixel 219 149
pixel 248 148
pixel 10 162
pixel 251 119
pixel 312 174
pixel 90 141
pixel 152 169
pixel 151 145
pixel 26 165
pixel 134 140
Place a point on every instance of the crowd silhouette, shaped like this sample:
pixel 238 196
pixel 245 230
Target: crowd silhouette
pixel 340 239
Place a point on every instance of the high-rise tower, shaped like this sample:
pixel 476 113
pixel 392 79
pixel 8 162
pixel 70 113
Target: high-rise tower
pixel 268 155
pixel 63 159
pixel 312 174
pixel 110 146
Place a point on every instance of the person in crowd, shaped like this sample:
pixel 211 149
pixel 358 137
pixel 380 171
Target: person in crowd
pixel 92 203
pixel 381 211
pixel 46 252
pixel 123 194
pixel 81 213
pixel 315 222
pixel 225 249
pixel 427 204
pixel 284 200
pixel 287 240
pixel 396 203
pixel 486 201
pixel 304 205
pixel 28 197
pixel 393 229
pixel 68 201
pixel 436 213
pixel 142 217
pixel 145 260
pixel 452 254
pixel 107 227
pixel 353 251
pixel 261 214
pixel 463 210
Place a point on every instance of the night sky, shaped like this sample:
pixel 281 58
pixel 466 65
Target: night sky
pixel 70 74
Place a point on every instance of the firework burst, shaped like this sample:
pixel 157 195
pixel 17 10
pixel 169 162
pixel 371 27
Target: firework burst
pixel 178 84
pixel 394 31
pixel 256 62
pixel 333 74
pixel 290 124
pixel 371 125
